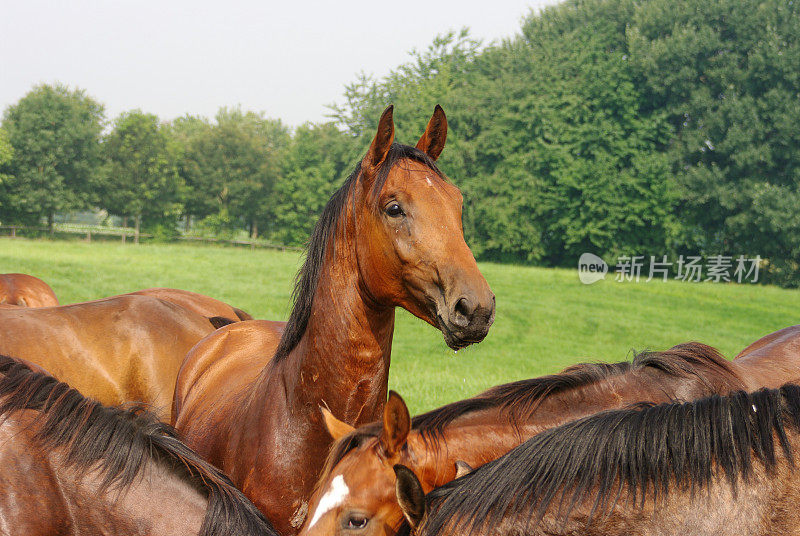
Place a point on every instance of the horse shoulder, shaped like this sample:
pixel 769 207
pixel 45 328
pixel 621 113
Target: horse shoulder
pixel 221 365
pixel 27 478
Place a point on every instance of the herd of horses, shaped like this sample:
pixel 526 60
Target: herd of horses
pixel 167 412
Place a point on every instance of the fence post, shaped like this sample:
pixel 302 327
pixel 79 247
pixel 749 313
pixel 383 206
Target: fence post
pixel 13 231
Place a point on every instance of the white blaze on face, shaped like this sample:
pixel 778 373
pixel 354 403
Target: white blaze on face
pixel 332 498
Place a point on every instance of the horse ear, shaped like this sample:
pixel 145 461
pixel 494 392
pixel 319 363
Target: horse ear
pixel 432 140
pixel 380 145
pixel 462 468
pixel 396 424
pixel 410 495
pixel 336 428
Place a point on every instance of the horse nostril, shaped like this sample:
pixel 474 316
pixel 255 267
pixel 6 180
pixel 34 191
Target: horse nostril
pixel 463 312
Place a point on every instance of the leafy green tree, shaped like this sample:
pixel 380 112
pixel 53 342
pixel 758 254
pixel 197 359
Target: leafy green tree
pixel 6 154
pixel 315 164
pixel 724 73
pixel 140 177
pixel 616 126
pixel 55 133
pixel 231 167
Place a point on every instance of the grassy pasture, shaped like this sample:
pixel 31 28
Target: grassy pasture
pixel 546 319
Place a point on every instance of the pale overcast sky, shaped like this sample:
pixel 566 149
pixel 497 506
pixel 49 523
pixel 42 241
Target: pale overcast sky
pixel 172 57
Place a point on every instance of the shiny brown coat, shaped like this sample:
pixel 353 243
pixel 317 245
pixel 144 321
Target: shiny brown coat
pixel 396 245
pixel 119 349
pixel 198 303
pixel 478 437
pixel 26 291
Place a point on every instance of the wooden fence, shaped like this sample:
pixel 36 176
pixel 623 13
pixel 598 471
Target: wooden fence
pixel 124 233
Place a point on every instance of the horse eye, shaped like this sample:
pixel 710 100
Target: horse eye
pixel 394 209
pixel 357 522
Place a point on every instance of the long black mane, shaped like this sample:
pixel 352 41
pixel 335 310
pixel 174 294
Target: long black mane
pixel 119 442
pixel 639 453
pixel 520 399
pixel 323 238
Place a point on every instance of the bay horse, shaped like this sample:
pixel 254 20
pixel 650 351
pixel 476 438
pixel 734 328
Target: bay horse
pixel 440 445
pixel 119 349
pixel 722 465
pixel 69 465
pixel 26 291
pixel 200 304
pixel 247 396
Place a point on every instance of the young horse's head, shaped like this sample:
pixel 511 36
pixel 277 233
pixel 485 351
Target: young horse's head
pixel 365 455
pixel 414 254
pixel 395 225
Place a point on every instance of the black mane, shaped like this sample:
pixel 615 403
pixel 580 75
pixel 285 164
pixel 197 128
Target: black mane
pixel 119 442
pixel 324 234
pixel 520 399
pixel 644 453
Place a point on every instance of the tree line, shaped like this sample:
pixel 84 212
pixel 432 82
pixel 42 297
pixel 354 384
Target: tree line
pixel 617 127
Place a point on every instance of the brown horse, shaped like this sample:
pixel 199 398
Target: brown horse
pixel 475 431
pixel 716 466
pixel 248 397
pixel 120 349
pixel 202 305
pixel 26 291
pixel 69 465
pixel 447 441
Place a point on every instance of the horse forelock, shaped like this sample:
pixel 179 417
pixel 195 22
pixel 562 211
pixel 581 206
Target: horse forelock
pixel 323 239
pixel 118 442
pixel 644 453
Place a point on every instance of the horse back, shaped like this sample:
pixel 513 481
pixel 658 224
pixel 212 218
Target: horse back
pixel 26 290
pixel 200 304
pixel 772 360
pixel 117 350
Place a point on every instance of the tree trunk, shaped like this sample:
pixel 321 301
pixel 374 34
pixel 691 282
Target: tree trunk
pixel 254 230
pixel 51 225
pixel 136 230
pixel 188 223
pixel 124 229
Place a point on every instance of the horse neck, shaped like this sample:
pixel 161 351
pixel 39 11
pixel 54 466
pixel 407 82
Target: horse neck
pixel 158 502
pixel 465 439
pixel 433 458
pixel 342 360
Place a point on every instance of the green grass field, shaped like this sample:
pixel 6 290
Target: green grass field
pixel 546 319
